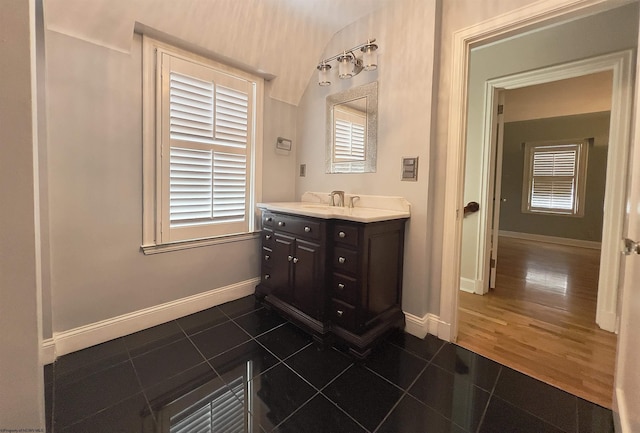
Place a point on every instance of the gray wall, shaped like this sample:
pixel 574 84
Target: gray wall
pixel 95 192
pixel 588 227
pixel 406 34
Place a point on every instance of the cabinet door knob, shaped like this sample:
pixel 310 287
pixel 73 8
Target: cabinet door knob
pixel 341 260
pixel 295 260
pixel 267 237
pixel 267 276
pixel 342 235
pixel 307 229
pixel 339 313
pixel 340 286
pixel 289 258
pixel 280 223
pixel 267 257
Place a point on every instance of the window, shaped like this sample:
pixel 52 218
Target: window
pixel 349 139
pixel 201 129
pixel 554 178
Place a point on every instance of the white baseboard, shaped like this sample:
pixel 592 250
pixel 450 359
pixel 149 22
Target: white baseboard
pixel 427 324
pixel 467 285
pixel 552 239
pixel 48 352
pixel 471 286
pixel 620 415
pixel 95 333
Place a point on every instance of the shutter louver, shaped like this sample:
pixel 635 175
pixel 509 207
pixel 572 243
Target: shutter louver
pixel 349 141
pixel 191 108
pixel 222 411
pixel 231 117
pixel 191 174
pixel 229 186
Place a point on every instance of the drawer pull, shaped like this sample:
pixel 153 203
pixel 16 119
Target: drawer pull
pixel 339 313
pixel 267 276
pixel 342 260
pixel 267 257
pixel 307 229
pixel 269 219
pixel 340 286
pixel 280 223
pixel 289 258
pixel 267 237
pixel 342 235
pixel 295 260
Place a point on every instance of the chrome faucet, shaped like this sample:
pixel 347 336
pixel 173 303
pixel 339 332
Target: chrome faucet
pixel 340 201
pixel 352 200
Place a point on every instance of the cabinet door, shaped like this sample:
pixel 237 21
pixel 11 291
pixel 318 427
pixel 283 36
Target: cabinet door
pixel 281 266
pixel 307 277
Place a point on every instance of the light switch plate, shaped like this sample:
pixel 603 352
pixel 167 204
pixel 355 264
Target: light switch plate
pixel 303 170
pixel 410 168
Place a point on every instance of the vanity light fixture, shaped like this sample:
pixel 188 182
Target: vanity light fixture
pixel 348 64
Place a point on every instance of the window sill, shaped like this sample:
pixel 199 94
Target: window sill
pixel 185 245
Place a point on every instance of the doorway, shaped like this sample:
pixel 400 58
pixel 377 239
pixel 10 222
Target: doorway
pixel 499 30
pixel 539 318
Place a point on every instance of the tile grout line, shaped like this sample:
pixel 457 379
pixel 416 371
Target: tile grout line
pixel 486 408
pixel 405 392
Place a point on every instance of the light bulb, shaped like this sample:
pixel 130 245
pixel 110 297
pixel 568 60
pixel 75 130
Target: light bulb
pixel 323 74
pixel 370 57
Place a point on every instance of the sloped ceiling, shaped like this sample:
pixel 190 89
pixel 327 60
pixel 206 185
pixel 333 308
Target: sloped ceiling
pixel 281 38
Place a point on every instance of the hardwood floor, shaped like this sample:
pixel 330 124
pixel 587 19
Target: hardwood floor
pixel 540 318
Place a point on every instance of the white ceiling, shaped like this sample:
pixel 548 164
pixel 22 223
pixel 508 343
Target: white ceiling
pixel 283 38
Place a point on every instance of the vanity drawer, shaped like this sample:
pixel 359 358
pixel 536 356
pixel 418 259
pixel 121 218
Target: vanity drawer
pixel 267 257
pixel 343 315
pixel 345 234
pixel 267 219
pixel 344 288
pixel 345 260
pixel 267 238
pixel 306 228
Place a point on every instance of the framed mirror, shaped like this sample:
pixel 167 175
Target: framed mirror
pixel 352 130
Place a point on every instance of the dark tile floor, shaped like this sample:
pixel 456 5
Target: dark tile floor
pixel 240 368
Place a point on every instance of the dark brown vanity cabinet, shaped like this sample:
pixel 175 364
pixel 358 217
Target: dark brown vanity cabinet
pixel 334 277
pixel 293 267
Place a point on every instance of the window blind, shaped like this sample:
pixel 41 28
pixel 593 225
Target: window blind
pixel 554 174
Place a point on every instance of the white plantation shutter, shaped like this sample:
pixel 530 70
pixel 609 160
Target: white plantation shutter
pixel 349 140
pixel 207 135
pixel 222 411
pixel 554 174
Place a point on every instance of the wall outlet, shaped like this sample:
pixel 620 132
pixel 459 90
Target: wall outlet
pixel 303 170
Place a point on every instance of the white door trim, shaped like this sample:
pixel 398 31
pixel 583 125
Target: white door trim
pixel 621 65
pixel 535 15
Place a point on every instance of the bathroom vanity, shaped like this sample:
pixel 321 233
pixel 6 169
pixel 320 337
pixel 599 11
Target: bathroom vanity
pixel 335 271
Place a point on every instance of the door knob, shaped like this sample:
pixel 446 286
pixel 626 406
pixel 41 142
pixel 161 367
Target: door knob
pixel 471 207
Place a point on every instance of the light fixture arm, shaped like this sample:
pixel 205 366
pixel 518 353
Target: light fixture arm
pixel 350 50
pixel 349 64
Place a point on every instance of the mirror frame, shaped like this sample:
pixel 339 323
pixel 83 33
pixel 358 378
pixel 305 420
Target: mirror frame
pixel 370 92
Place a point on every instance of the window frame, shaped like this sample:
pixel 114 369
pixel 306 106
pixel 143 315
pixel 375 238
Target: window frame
pixel 153 167
pixel 581 146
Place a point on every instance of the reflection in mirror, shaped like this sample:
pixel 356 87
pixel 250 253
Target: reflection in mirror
pixel 352 129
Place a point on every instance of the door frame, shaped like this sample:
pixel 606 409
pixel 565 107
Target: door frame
pixel 515 22
pixel 620 63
